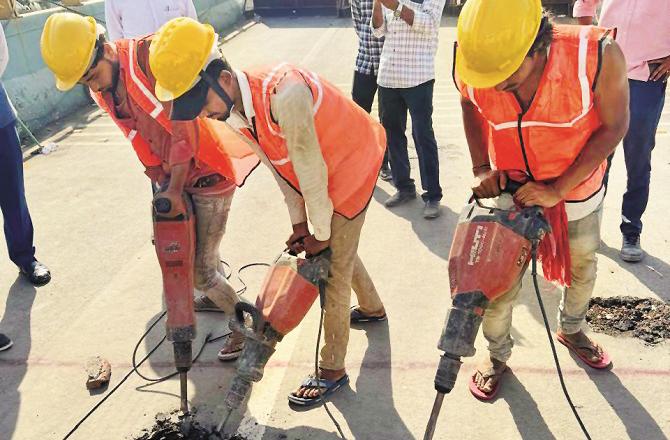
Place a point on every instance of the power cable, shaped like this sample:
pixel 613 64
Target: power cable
pixel 551 341
pixel 67 8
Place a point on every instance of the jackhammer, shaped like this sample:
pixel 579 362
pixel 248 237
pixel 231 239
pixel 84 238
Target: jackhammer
pixel 490 252
pixel 288 292
pixel 174 239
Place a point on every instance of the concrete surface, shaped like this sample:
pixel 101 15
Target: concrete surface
pixel 30 84
pixel 90 205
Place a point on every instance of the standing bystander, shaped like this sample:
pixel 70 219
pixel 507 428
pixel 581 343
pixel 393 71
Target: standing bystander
pixel 367 66
pixel 643 32
pixel 138 18
pixel 17 223
pixel 406 79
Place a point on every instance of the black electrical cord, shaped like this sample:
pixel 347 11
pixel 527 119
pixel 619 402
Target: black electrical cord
pixel 136 365
pixel 551 340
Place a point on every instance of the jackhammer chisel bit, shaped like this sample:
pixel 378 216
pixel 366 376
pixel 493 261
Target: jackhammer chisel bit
pixel 432 422
pixel 183 379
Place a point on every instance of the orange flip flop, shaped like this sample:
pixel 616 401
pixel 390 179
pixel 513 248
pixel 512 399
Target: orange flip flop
pixel 481 395
pixel 603 363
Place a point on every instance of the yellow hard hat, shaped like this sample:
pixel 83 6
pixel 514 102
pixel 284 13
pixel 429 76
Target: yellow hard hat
pixel 494 37
pixel 68 47
pixel 179 51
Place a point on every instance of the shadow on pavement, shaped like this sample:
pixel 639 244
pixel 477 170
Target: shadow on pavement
pixel 370 411
pixel 658 284
pixel 435 234
pixel 637 420
pixel 526 415
pixel 15 323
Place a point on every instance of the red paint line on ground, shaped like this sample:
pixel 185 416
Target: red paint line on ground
pixel 9 363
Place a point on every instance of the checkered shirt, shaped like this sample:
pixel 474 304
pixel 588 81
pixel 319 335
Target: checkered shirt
pixel 369 47
pixel 408 57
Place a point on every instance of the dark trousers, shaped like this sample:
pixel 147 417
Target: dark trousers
pixel 419 101
pixel 17 223
pixel 363 94
pixel 646 105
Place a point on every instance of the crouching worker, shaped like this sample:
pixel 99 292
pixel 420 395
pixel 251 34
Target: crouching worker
pixel 178 156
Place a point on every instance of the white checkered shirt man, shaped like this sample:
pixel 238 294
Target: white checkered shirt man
pixel 408 56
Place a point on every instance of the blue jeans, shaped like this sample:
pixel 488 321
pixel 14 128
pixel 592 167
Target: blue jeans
pixel 394 104
pixel 646 104
pixel 17 222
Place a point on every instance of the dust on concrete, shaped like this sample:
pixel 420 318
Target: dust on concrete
pixel 174 426
pixel 643 318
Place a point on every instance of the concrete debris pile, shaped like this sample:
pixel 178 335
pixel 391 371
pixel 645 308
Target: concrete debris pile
pixel 643 318
pixel 173 427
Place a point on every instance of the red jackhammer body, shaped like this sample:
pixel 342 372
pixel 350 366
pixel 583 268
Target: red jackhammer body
pixel 491 250
pixel 174 239
pixel 288 292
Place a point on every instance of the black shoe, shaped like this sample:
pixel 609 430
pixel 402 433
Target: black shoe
pixel 37 273
pixel 385 174
pixel 5 342
pixel 431 210
pixel 399 198
pixel 631 251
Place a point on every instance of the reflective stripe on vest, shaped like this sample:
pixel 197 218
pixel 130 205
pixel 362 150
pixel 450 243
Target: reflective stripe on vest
pixel 352 143
pixel 218 146
pixel 546 138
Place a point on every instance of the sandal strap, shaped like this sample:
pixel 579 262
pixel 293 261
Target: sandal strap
pixel 311 382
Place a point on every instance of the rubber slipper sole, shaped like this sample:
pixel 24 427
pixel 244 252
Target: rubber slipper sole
pixel 604 362
pixel 481 395
pixel 301 401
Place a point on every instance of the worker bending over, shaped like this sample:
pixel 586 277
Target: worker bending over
pixel 544 104
pixel 178 156
pixel 324 151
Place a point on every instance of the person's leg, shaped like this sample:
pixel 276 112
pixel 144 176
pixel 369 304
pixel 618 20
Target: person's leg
pixel 17 223
pixel 584 236
pixel 646 104
pixel 345 235
pixel 369 302
pixel 363 93
pixel 363 90
pixel 394 120
pixel 420 103
pixel 496 327
pixel 211 216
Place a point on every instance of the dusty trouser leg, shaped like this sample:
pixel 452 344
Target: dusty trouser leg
pixel 369 301
pixel 211 214
pixel 584 236
pixel 345 235
pixel 497 324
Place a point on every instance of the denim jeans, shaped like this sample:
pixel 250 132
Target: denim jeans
pixel 363 94
pixel 646 105
pixel 394 105
pixel 17 223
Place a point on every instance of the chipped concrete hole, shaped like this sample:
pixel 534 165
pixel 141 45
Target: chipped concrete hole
pixel 174 426
pixel 643 318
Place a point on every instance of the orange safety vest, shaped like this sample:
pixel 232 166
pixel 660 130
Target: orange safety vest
pixel 218 146
pixel 547 138
pixel 352 143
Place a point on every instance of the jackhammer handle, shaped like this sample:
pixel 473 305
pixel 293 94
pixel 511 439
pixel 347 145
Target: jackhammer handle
pixel 257 320
pixel 162 205
pixel 512 186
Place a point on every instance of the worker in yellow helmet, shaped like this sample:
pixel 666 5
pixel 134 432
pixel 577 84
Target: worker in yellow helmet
pixel 178 156
pixel 324 150
pixel 543 104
